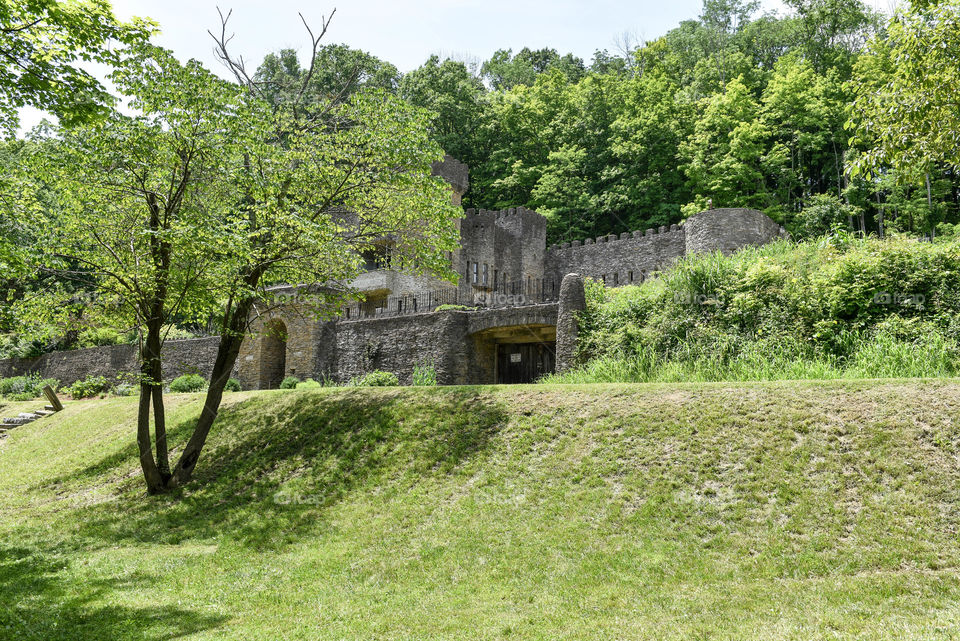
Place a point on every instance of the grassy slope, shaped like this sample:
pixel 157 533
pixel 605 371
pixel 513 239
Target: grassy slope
pixel 753 511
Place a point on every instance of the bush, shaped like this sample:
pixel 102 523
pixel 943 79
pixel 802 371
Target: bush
pixel 16 385
pixel 376 379
pixel 425 375
pixel 455 308
pixel 26 388
pixel 233 385
pixel 309 384
pixel 100 336
pixel 124 389
pixel 89 387
pixel 188 383
pixel 289 382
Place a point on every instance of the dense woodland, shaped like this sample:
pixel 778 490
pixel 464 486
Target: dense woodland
pixel 734 108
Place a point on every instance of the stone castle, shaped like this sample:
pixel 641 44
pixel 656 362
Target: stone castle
pixel 511 317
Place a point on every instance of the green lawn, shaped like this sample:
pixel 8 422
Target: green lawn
pixel 712 511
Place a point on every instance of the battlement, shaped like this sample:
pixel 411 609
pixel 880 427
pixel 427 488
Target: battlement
pixel 512 213
pixel 612 238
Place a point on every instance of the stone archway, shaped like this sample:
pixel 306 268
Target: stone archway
pixel 273 354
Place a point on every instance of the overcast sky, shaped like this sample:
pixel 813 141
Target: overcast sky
pixel 407 33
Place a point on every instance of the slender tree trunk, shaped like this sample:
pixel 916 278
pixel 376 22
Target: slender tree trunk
pixel 879 216
pixel 227 353
pixel 151 474
pixel 153 367
pixel 156 470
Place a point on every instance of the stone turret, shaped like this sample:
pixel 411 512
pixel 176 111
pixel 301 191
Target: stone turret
pixel 456 173
pixel 572 301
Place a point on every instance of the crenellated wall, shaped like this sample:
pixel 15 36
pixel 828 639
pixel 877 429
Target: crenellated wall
pixel 617 260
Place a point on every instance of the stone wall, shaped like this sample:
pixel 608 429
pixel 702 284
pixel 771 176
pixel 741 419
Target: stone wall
pixel 511 244
pixel 451 341
pixel 179 357
pixel 398 345
pixel 727 230
pixel 617 260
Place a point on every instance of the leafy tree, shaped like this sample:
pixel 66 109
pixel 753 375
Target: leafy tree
pixel 832 31
pixel 504 70
pixel 458 100
pixel 805 113
pixel 335 69
pixel 218 190
pixel 822 214
pixel 41 44
pixel 724 153
pixel 906 112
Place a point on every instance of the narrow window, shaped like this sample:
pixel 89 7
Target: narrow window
pixel 630 276
pixel 485 274
pixel 495 279
pixel 616 279
pixel 476 272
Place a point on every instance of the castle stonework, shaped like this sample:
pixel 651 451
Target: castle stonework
pixel 522 300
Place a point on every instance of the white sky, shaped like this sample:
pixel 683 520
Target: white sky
pixel 406 33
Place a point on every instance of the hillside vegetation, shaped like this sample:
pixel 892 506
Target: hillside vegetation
pixel 839 307
pixel 748 511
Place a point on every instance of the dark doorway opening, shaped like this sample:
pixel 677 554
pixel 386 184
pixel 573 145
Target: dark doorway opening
pixel 524 362
pixel 273 355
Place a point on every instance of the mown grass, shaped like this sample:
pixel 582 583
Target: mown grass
pixel 791 510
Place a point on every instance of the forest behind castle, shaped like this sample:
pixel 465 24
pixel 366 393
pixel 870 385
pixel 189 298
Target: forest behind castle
pixel 815 115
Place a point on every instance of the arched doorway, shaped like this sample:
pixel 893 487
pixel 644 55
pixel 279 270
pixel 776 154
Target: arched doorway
pixel 273 354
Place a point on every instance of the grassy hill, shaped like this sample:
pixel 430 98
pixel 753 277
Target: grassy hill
pixel 714 511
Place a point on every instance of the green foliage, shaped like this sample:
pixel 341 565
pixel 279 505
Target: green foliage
pixel 89 387
pixel 454 308
pixel 375 378
pixel 822 214
pixel 289 382
pixel 188 383
pixel 336 69
pixel 826 309
pixel 43 45
pixel 309 384
pixel 456 98
pixel 233 385
pixel 25 387
pixel 905 113
pixel 425 375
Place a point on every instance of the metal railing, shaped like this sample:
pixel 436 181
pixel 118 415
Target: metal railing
pixel 511 294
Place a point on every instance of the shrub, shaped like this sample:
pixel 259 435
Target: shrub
pixel 233 385
pixel 123 389
pixel 308 384
pixel 16 385
pixel 100 336
pixel 289 382
pixel 188 383
pixel 26 387
pixel 376 379
pixel 425 375
pixel 455 308
pixel 89 387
